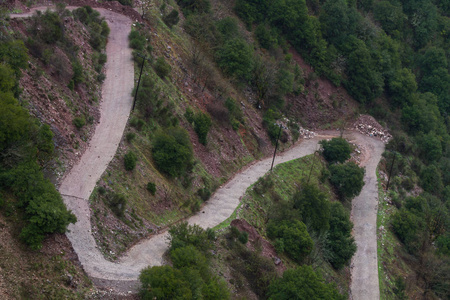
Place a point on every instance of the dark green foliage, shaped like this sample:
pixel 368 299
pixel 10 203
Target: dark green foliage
pixel 313 206
pixel 79 122
pixel 129 161
pixel 130 136
pixel 302 283
pixel 137 123
pixel 291 237
pixel 336 150
pixel 77 69
pixel 189 115
pixel 269 119
pixel 151 187
pixel 348 179
pixel 172 151
pixel 235 59
pixel 44 209
pixel 116 202
pixel 430 147
pixel 49 27
pixel 172 18
pixel 162 68
pixel 228 27
pixel 243 237
pixel 182 235
pixel 266 36
pixel 407 227
pixel 164 283
pixel 204 193
pixel 402 86
pixel 340 243
pixel 443 244
pixel 137 40
pixel 431 180
pixel 97 26
pixel 202 124
pixel 235 113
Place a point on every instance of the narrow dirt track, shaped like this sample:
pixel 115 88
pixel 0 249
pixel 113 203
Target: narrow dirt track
pixel 115 108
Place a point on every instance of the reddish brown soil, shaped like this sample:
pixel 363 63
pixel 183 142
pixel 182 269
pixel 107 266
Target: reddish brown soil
pixel 255 238
pixel 323 104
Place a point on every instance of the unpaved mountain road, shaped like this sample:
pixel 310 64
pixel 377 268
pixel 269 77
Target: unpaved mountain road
pixel 115 108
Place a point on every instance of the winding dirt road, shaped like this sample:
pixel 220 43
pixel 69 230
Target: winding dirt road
pixel 115 108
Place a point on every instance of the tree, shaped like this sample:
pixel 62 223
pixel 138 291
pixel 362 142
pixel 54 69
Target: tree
pixel 172 151
pixel 336 150
pixel 183 234
pixel 407 226
pixel 291 237
pixel 348 179
pixel 202 124
pixel 129 161
pixel 302 283
pixel 313 206
pixel 235 58
pixel 402 86
pixel 172 18
pixel 164 282
pixel 339 242
pixel 162 68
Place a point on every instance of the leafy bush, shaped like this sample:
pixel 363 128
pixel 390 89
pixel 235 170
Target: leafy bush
pixel 172 18
pixel 336 150
pixel 314 207
pixel 162 68
pixel 266 37
pixel 172 151
pixel 129 161
pixel 79 122
pixel 194 6
pixel 303 283
pixel 137 123
pixel 348 179
pixel 130 136
pixel 293 237
pixel 202 124
pixel 204 193
pixel 164 282
pixel 407 227
pixel 137 41
pixel 117 203
pixel 235 58
pixel 339 242
pixel 189 115
pixel 151 187
pixel 183 234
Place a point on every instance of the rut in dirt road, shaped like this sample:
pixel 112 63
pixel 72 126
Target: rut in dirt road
pixel 115 108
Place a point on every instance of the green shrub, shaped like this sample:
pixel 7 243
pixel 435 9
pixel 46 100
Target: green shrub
pixel 295 238
pixel 183 234
pixel 348 179
pixel 79 122
pixel 137 123
pixel 77 69
pixel 339 242
pixel 243 237
pixel 137 41
pixel 164 282
pixel 204 193
pixel 189 115
pixel 151 187
pixel 336 150
pixel 130 160
pixel 101 190
pixel 162 68
pixel 172 18
pixel 303 283
pixel 235 58
pixel 202 124
pixel 172 151
pixel 130 136
pixel 313 206
pixel 117 203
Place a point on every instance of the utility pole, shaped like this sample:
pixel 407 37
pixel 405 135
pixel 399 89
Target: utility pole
pixel 139 81
pixel 390 171
pixel 276 146
pixel 312 166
